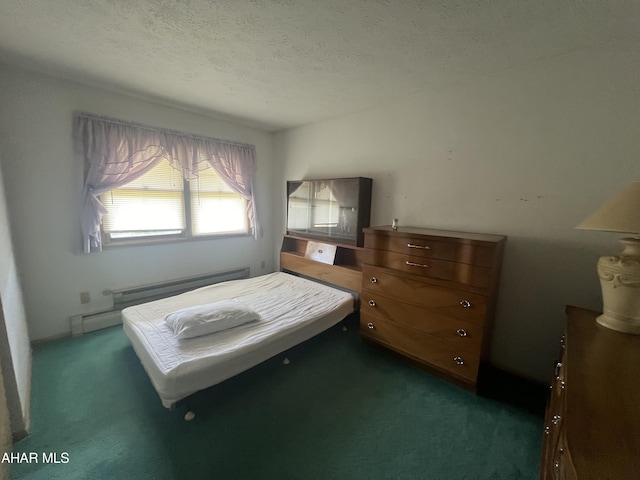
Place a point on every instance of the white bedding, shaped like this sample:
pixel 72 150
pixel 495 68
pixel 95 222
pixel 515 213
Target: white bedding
pixel 292 310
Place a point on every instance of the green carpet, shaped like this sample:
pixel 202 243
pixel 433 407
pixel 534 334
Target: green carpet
pixel 341 409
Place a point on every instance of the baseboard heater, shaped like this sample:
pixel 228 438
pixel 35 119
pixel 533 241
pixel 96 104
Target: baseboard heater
pixel 126 297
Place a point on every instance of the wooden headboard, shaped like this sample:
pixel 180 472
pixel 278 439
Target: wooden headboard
pixel 345 272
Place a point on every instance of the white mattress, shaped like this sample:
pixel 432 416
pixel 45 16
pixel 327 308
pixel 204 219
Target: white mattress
pixel 292 310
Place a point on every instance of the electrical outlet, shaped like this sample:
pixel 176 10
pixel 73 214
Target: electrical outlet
pixel 85 297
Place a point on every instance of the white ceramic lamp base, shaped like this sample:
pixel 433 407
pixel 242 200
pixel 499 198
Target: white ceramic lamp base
pixel 620 281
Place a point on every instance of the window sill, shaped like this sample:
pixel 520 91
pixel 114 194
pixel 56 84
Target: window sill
pixel 165 241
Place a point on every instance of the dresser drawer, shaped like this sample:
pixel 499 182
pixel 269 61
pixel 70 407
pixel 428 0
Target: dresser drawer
pixel 443 301
pixel 421 346
pixel 433 247
pixel 474 275
pixel 458 333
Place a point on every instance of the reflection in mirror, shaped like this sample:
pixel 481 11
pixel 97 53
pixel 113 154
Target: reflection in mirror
pixel 329 208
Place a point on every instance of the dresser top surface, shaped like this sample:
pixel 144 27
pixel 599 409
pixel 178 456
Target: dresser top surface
pixel 603 394
pixel 408 231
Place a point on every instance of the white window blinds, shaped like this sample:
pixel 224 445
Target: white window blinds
pixel 216 208
pixel 153 204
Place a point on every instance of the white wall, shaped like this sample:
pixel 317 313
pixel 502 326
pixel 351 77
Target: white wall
pixel 527 153
pixel 44 185
pixel 15 351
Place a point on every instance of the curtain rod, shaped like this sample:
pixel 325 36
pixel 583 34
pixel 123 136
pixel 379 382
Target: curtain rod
pixel 93 116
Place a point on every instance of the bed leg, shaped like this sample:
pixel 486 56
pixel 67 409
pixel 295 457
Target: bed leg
pixel 190 415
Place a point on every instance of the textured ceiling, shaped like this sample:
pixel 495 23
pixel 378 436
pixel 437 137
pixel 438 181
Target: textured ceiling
pixel 285 63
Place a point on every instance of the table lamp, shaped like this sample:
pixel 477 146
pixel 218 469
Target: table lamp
pixel 620 274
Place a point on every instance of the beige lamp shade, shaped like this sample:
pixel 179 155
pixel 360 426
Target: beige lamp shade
pixel 620 214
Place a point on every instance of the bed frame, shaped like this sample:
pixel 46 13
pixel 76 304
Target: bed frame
pixel 343 271
pixel 178 370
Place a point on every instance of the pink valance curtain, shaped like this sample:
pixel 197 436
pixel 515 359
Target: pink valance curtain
pixel 117 152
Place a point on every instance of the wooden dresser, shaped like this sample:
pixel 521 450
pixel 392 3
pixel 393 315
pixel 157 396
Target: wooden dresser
pixel 430 296
pixel 592 425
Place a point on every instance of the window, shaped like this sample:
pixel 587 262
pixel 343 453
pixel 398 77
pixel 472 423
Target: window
pixel 327 209
pixel 160 205
pixel 215 208
pixel 128 168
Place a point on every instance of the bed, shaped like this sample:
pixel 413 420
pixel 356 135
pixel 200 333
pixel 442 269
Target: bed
pixel 291 310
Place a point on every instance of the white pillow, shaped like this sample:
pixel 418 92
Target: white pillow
pixel 209 318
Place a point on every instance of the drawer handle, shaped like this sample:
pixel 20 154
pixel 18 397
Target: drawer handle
pixel 547 430
pixel 372 303
pixel 557 370
pixel 421 247
pixel 462 332
pixel 458 360
pixel 413 264
pixel 465 304
pixel 558 462
pixel 373 280
pixel 370 326
pixel 556 419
